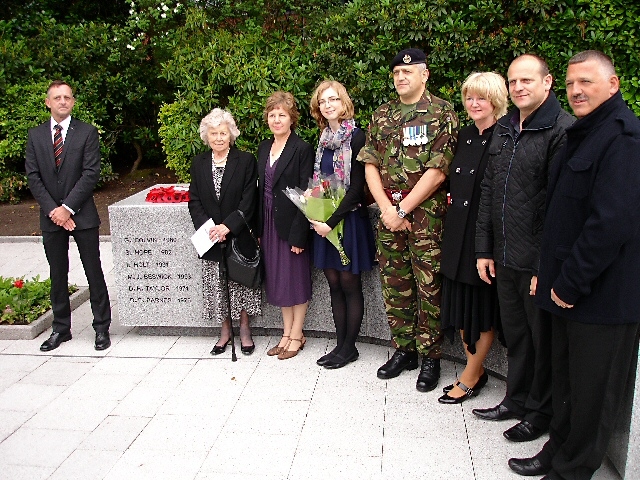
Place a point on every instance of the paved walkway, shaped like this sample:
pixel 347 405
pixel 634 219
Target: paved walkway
pixel 161 407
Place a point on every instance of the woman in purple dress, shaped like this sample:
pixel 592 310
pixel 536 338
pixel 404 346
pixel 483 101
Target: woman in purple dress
pixel 285 161
pixel 340 142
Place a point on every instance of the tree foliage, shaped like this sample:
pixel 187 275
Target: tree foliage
pixel 146 71
pixel 236 62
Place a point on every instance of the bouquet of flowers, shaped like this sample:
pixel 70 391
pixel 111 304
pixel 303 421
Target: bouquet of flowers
pixel 319 202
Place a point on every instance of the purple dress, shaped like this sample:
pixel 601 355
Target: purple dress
pixel 287 279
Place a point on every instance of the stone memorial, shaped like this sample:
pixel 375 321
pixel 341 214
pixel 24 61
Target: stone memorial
pixel 158 278
pixel 157 273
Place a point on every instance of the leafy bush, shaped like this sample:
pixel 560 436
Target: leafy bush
pixel 147 78
pixel 236 58
pixel 23 301
pixel 23 109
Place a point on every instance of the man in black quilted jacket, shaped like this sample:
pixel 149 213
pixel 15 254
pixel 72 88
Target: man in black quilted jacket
pixel 508 233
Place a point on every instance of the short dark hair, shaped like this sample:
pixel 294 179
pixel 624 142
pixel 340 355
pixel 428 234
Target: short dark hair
pixel 58 83
pixel 602 58
pixel 544 66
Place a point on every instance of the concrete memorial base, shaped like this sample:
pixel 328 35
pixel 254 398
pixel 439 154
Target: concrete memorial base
pixel 159 286
pixel 158 280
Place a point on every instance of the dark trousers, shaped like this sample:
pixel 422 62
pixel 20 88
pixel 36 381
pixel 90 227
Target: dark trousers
pixel 56 247
pixel 591 366
pixel 527 331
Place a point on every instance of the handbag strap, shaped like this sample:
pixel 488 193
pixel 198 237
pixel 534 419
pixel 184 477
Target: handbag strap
pixel 249 228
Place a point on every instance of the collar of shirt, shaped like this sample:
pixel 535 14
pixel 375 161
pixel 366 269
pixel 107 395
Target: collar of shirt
pixel 65 126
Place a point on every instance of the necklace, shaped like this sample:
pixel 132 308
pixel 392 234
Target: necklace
pixel 221 162
pixel 274 153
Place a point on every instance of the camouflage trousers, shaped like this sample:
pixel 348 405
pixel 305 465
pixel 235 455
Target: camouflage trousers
pixel 411 285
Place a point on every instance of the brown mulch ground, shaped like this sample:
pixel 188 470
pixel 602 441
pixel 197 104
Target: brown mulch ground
pixel 24 219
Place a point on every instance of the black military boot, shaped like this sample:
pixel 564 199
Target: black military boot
pixel 398 362
pixel 429 374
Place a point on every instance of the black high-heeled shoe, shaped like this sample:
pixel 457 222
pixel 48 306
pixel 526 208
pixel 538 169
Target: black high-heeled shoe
pixel 218 349
pixel 247 349
pixel 468 392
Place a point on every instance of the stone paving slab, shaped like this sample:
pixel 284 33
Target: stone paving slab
pixel 163 408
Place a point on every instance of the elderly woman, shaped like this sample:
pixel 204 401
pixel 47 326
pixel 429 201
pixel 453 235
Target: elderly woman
pixel 340 142
pixel 469 304
pixel 285 161
pixel 223 183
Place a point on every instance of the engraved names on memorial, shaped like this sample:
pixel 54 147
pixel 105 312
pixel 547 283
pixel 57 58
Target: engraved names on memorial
pixel 158 272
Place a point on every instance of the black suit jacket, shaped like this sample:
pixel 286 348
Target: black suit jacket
pixel 72 183
pixel 237 192
pixel 294 169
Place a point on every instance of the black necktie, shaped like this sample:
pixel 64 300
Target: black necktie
pixel 57 145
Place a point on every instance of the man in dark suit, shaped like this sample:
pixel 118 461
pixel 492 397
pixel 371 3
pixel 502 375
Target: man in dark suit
pixel 63 167
pixel 589 269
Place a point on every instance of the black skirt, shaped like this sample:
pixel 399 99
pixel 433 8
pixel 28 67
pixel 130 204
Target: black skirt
pixel 473 309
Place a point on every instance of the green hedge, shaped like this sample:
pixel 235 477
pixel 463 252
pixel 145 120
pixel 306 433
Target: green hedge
pixel 147 79
pixel 237 68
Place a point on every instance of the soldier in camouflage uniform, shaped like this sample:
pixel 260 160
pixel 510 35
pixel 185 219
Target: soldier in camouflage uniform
pixel 410 144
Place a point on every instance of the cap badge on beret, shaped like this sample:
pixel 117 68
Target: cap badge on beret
pixel 406 59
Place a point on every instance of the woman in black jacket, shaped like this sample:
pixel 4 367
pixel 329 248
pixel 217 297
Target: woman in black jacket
pixel 285 161
pixel 223 183
pixel 469 304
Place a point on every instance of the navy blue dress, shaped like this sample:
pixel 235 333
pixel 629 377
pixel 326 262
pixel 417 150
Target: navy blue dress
pixel 358 241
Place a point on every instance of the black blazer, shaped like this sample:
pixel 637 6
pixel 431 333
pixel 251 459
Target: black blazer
pixel 294 169
pixel 458 260
pixel 237 192
pixel 72 183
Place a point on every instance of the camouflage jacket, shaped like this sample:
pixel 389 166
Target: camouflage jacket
pixel 400 165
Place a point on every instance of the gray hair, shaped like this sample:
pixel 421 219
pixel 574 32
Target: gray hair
pixel 215 118
pixel 603 60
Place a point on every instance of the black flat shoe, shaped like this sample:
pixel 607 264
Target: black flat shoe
pixel 326 358
pixel 468 392
pixel 523 432
pixel 247 349
pixel 528 467
pixel 339 361
pixel 398 362
pixel 498 413
pixel 54 341
pixel 218 349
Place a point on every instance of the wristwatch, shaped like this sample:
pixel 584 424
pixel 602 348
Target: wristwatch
pixel 401 212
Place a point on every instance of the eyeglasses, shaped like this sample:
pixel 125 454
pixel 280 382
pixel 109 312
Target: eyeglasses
pixel 329 100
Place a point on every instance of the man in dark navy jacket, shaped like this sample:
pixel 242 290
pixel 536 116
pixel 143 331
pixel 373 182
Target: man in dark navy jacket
pixel 589 270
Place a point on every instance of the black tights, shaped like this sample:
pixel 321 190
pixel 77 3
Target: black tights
pixel 347 305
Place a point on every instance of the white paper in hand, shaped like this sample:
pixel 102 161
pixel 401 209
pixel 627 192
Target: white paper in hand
pixel 201 239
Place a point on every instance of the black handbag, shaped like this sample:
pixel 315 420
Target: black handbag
pixel 243 270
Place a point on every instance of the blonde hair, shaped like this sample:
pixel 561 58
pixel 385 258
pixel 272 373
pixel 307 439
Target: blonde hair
pixel 287 102
pixel 347 104
pixel 490 85
pixel 215 118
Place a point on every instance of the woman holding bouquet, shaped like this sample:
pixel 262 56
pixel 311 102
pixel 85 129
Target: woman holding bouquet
pixel 340 142
pixel 285 161
pixel 223 182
